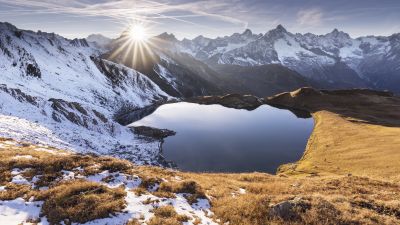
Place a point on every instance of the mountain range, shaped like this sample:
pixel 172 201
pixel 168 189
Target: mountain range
pixel 332 61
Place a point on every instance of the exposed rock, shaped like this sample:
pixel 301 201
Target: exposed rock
pixel 112 72
pixel 362 105
pixel 79 42
pixel 100 116
pixel 19 95
pixel 129 114
pixel 153 132
pixel 290 209
pixel 236 101
pixel 33 70
pixel 73 112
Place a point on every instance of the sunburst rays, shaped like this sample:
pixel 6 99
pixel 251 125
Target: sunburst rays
pixel 137 51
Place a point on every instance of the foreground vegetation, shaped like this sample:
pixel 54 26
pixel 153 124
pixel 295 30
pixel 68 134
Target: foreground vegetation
pixel 254 198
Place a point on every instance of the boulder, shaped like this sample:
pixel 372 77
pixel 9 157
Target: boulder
pixel 290 209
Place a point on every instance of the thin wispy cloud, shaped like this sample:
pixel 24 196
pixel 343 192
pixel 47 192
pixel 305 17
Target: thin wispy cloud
pixel 189 18
pixel 126 10
pixel 310 17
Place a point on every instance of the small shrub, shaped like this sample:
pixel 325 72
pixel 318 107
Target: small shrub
pixel 140 191
pixel 133 222
pixel 165 211
pixel 81 201
pixel 191 188
pixel 114 165
pixel 163 221
pixel 13 191
pixel 166 215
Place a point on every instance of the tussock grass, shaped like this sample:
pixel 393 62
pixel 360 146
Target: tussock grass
pixel 50 165
pixel 13 191
pixel 187 187
pixel 331 198
pixel 168 216
pixel 133 222
pixel 81 201
pixel 113 164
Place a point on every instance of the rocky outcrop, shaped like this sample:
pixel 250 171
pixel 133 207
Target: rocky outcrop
pixel 360 104
pixel 19 95
pixel 290 209
pixel 79 42
pixel 76 113
pixel 128 114
pixel 152 132
pixel 33 70
pixel 236 101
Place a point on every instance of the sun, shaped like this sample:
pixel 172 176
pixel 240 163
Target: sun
pixel 138 32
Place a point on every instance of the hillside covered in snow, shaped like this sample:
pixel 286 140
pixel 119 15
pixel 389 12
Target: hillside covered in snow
pixel 58 91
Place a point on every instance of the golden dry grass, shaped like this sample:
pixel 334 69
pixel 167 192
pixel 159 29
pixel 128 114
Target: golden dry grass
pixel 340 146
pixel 333 199
pixel 188 187
pixel 166 215
pixel 356 132
pixel 81 201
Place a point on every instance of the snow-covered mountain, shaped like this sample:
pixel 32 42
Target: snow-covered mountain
pixel 205 48
pixel 56 90
pixel 99 40
pixel 333 60
pixel 178 71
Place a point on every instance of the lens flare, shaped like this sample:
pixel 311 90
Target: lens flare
pixel 138 33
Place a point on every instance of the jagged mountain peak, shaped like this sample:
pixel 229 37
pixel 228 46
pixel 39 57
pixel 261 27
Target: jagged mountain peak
pixel 201 38
pixel 280 28
pixel 167 37
pixel 335 33
pixel 247 32
pixel 278 32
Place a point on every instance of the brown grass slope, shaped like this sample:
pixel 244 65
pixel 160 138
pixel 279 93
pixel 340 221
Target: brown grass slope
pixel 356 131
pixel 253 198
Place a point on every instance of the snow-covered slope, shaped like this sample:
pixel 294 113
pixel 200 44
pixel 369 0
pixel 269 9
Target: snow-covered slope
pixel 333 60
pixel 205 48
pixel 99 40
pixel 177 73
pixel 55 90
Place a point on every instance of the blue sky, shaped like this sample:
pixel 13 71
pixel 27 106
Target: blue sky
pixel 189 18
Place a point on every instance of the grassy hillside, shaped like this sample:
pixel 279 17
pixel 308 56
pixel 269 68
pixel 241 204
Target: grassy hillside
pixel 356 132
pixel 70 188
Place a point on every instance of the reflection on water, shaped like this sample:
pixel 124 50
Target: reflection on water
pixel 217 139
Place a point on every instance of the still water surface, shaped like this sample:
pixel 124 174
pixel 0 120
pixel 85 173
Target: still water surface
pixel 213 138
